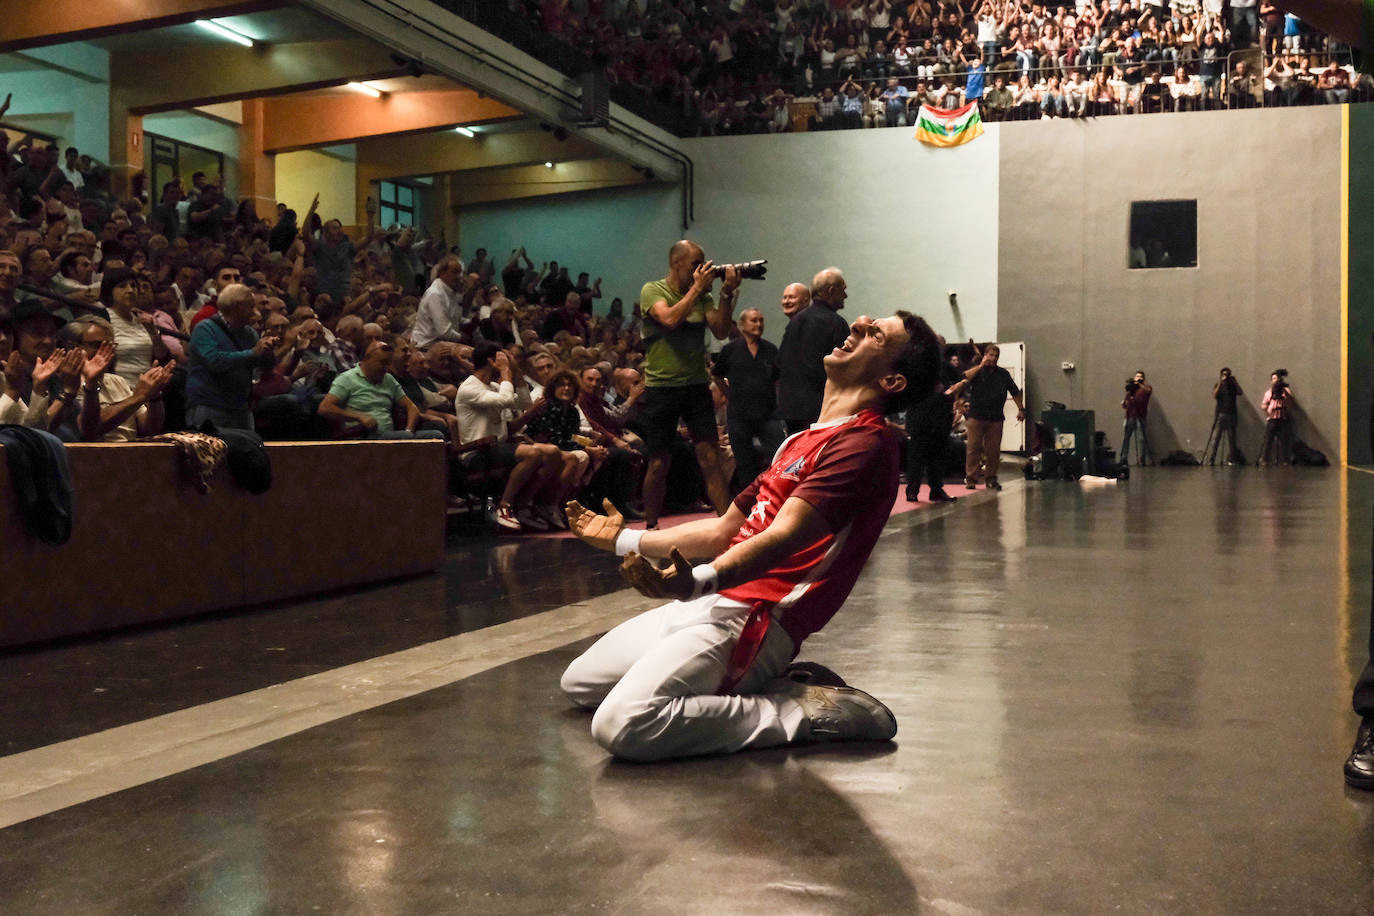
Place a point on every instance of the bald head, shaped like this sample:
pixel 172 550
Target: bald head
pixel 795 297
pixel 829 288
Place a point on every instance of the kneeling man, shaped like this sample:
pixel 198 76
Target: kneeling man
pixel 704 673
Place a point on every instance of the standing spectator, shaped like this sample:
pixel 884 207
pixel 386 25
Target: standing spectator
pixel 827 116
pixel 1244 23
pixel 988 387
pixel 808 339
pixel 1277 403
pixel 1136 403
pixel 928 424
pixel 224 351
pixel 677 311
pixel 440 315
pixel 795 298
pixel 164 218
pixel 1211 66
pixel 206 215
pixel 747 371
pixel 999 100
pixel 333 255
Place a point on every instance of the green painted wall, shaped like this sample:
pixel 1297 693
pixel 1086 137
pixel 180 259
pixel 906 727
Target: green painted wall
pixel 1361 282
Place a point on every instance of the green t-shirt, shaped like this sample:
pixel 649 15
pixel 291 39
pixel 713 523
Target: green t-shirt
pixel 674 357
pixel 355 392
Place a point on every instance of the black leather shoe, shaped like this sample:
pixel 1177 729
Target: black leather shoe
pixel 940 496
pixel 1359 766
pixel 911 496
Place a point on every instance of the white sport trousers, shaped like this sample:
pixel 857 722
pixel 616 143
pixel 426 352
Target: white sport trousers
pixel 653 679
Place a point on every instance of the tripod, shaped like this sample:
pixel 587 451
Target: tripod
pixel 1223 425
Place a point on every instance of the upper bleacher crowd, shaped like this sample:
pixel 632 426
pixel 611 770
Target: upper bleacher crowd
pixel 780 65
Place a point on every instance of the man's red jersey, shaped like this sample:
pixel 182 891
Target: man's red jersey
pixel 847 470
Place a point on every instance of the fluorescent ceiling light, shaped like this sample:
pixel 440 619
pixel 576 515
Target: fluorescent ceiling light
pixel 465 131
pixel 365 89
pixel 224 31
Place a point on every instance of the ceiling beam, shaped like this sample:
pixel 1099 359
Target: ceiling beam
pixel 296 122
pixel 174 78
pixel 30 23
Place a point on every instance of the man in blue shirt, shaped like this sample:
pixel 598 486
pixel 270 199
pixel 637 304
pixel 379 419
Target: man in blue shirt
pixel 894 102
pixel 223 353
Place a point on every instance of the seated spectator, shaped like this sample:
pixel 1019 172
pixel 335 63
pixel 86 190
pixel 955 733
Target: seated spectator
pixel 108 407
pixel 76 276
pixel 555 419
pixel 895 103
pixel 851 105
pixel 223 354
pixel 1052 100
pixel 1334 84
pixel 827 116
pixel 484 398
pixel 368 396
pixel 1076 94
pixel 136 336
pixel 30 367
pixel 1242 87
pixel 1102 98
pixel 1025 100
pixel 1152 93
pixel 1187 94
pixel 999 99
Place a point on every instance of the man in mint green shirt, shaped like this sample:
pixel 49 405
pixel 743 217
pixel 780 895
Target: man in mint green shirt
pixel 367 394
pixel 677 311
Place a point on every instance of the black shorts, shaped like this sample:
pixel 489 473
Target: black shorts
pixel 494 456
pixel 661 408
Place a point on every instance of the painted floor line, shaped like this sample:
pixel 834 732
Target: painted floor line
pixel 47 779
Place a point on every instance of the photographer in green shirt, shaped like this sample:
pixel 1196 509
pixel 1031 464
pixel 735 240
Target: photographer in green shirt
pixel 677 311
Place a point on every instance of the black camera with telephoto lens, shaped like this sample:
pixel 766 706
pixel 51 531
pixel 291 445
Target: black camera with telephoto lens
pixel 749 270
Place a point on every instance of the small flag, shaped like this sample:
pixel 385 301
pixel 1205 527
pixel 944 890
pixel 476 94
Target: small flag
pixel 943 127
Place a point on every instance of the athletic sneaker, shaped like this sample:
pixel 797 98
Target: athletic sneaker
pixel 840 714
pixel 529 520
pixel 553 516
pixel 506 518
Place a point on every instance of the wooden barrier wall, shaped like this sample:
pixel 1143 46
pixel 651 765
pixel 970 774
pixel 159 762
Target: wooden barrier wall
pixel 146 546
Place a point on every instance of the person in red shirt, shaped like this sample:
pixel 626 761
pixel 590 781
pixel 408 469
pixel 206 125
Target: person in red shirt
pixel 705 673
pixel 1136 403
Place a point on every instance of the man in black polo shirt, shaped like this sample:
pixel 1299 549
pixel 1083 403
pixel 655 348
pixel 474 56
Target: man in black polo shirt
pixel 747 371
pixel 988 387
pixel 810 337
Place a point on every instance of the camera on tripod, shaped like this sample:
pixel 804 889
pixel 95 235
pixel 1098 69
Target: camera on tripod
pixel 749 270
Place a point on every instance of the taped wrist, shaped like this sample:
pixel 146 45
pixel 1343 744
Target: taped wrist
pixel 627 540
pixel 704 580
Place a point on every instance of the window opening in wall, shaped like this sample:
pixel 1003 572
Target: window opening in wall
pixel 397 205
pixel 1163 234
pixel 168 159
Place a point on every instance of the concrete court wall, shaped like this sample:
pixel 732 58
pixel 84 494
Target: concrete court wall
pixel 1266 291
pixel 905 222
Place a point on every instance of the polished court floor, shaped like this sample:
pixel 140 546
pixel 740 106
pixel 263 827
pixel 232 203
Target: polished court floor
pixel 1131 698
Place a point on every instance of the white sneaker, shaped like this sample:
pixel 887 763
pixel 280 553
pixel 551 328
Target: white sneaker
pixel 840 714
pixel 506 518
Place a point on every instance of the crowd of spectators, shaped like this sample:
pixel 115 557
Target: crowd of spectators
pixel 120 320
pixel 741 66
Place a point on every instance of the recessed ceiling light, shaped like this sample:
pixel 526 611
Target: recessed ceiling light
pixel 224 31
pixel 548 165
